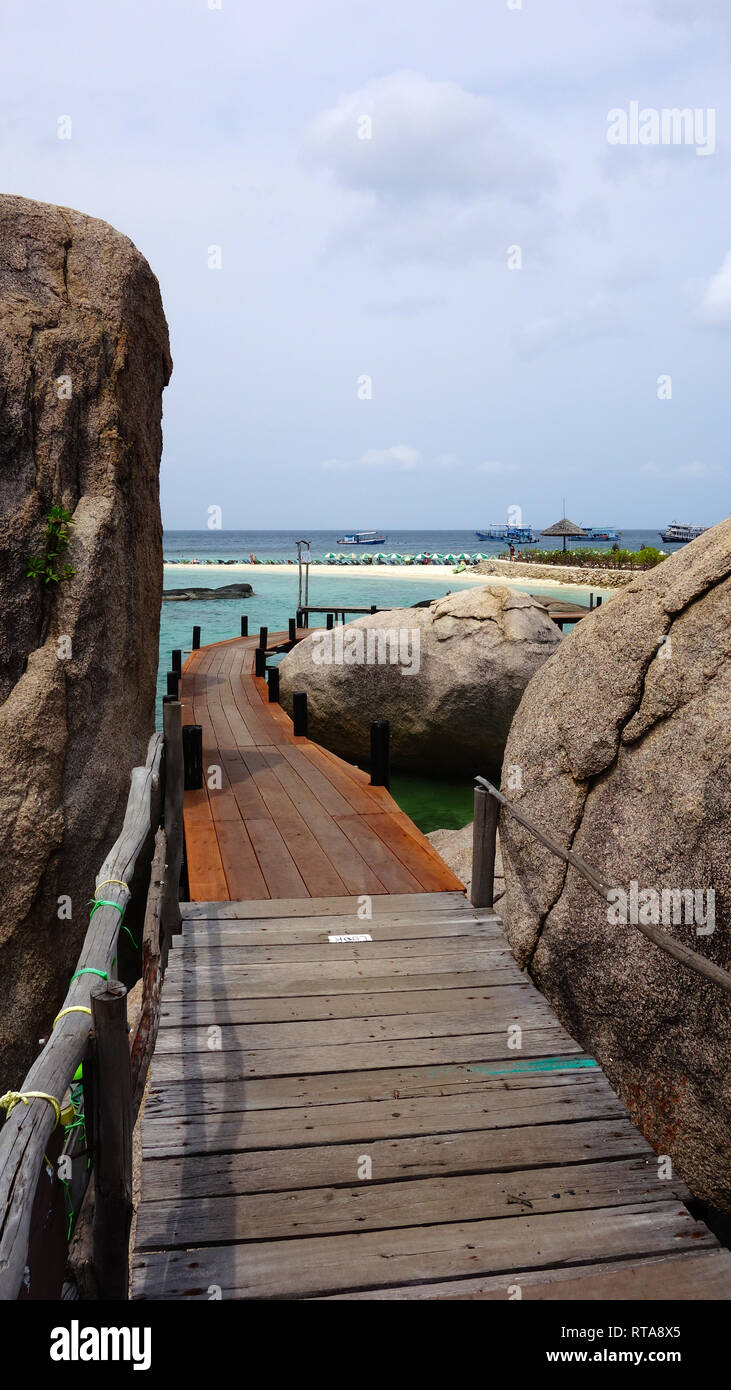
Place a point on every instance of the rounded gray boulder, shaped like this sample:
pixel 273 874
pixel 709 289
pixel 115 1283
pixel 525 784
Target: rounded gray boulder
pixel 448 678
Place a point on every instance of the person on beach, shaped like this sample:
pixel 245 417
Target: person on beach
pixel 512 551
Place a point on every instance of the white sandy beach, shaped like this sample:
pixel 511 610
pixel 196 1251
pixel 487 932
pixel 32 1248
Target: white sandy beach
pixel 443 573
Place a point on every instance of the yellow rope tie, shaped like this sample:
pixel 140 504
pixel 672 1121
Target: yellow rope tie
pixel 12 1098
pixel 120 881
pixel 72 1009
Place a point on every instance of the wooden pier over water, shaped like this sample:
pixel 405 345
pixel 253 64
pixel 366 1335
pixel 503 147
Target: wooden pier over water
pixel 355 1092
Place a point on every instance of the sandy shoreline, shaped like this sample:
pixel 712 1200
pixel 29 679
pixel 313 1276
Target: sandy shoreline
pixel 400 572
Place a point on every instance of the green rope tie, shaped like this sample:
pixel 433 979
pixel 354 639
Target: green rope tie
pixel 88 970
pixel 107 902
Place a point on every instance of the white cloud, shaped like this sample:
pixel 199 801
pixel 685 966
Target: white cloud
pixel 695 470
pixel 715 307
pixel 494 468
pixel 426 139
pixel 398 456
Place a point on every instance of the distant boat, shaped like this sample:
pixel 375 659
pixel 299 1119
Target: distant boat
pixel 522 535
pixel 678 534
pixel 362 538
pixel 601 533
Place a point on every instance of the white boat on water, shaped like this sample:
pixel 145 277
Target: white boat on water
pixel 677 534
pixel 362 538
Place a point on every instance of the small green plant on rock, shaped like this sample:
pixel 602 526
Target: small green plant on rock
pixel 48 566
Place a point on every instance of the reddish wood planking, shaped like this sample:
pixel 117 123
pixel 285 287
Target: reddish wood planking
pixel 279 816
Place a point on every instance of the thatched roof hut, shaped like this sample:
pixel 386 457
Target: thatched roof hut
pixel 564 528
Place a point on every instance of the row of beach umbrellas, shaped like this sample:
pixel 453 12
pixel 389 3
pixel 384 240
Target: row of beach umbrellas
pixel 381 558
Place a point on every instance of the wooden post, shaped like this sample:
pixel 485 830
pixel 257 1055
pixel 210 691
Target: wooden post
pixel 173 679
pixel 244 625
pixel 329 621
pixel 173 822
pixel 113 1142
pixel 591 602
pixel 196 638
pixel 273 685
pixel 293 629
pixel 143 1043
pixel 484 831
pixel 192 757
pixel 300 618
pixel 598 601
pixel 373 609
pixel 260 661
pixel 299 713
pixel 177 661
pixel 263 637
pixel 380 753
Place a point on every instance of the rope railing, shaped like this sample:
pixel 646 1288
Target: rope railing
pixel 487 800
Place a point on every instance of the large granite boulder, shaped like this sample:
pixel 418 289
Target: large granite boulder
pixel 84 357
pixel 622 746
pixel 448 678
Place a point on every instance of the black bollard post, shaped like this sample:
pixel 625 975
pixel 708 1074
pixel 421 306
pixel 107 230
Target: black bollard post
pixel 244 626
pixel 380 740
pixel 373 608
pixel 300 619
pixel 173 679
pixel 299 713
pixel 263 637
pixel 293 629
pixel 273 685
pixel 598 602
pixel 192 757
pixel 177 661
pixel 260 661
pixel 196 638
pixel 329 620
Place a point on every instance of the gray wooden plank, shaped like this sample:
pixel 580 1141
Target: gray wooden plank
pixel 218 932
pixel 330 1165
pixel 371 1259
pixel 536 1101
pixel 526 1011
pixel 214 1065
pixel 685 1275
pixel 267 981
pixel 322 907
pixel 423 1202
pixel 191 1011
pixel 194 1095
pixel 210 955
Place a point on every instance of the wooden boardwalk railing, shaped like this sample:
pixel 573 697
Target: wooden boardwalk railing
pixel 44 1117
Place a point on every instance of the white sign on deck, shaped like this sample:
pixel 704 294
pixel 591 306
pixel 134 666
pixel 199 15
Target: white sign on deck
pixel 350 938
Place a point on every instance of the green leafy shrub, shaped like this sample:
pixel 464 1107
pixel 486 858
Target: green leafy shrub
pixel 48 566
pixel 580 558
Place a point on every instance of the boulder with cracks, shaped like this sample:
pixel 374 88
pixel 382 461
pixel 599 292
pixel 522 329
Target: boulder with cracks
pixel 623 744
pixel 83 360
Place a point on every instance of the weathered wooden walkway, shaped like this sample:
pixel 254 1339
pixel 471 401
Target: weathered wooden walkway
pixel 396 1116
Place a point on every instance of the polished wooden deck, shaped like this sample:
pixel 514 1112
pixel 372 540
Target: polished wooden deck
pixel 338 1119
pixel 278 816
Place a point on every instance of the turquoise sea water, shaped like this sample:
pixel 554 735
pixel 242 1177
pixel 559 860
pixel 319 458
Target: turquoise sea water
pixel 431 804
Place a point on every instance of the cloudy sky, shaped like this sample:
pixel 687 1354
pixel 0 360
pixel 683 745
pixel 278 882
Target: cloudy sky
pixel 442 289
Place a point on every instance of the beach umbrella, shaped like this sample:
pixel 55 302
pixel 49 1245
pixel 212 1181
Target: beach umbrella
pixel 394 558
pixel 564 528
pixel 450 559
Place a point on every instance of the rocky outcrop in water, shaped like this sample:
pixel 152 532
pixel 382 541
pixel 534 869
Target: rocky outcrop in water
pixel 223 591
pixel 622 743
pixel 84 357
pixel 448 678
